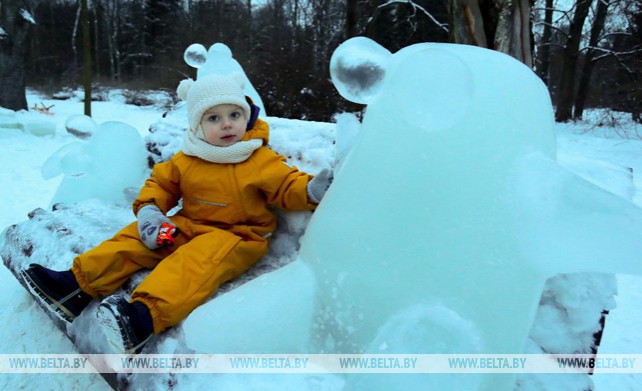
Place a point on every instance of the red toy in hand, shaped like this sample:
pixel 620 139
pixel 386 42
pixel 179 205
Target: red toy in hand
pixel 167 235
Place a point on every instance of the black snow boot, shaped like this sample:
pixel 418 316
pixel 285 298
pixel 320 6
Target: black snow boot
pixel 128 326
pixel 59 291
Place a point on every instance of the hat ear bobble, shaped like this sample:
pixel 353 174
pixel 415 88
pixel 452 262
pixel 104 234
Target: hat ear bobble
pixel 183 88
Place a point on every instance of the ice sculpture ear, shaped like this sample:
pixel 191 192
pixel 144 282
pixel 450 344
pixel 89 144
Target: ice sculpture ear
pixel 358 68
pixel 195 55
pixel 222 49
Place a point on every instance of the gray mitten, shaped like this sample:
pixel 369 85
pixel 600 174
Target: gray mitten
pixel 319 185
pixel 150 220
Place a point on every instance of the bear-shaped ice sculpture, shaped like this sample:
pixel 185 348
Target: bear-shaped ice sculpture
pixel 112 160
pixel 439 230
pixel 218 60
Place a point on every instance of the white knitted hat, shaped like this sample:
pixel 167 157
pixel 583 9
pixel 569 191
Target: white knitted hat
pixel 210 91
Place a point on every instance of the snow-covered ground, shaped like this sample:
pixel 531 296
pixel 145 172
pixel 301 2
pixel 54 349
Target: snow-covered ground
pixel 600 156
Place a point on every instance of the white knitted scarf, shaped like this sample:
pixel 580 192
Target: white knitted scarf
pixel 235 153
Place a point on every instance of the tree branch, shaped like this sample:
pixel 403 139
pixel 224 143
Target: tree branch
pixel 614 33
pixel 608 52
pixel 416 7
pixel 553 27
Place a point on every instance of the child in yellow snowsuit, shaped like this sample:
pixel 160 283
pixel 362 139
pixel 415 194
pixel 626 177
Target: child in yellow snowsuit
pixel 227 179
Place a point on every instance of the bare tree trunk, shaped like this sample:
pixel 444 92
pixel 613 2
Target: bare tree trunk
pixel 567 84
pixel 86 55
pixel 321 34
pixel 502 25
pixel 96 43
pixel 513 33
pixel 585 77
pixel 14 43
pixel 251 41
pixel 351 19
pixel 74 36
pixel 546 42
pixel 112 10
pixel 466 23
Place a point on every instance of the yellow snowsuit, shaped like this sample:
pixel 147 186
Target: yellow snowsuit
pixel 224 223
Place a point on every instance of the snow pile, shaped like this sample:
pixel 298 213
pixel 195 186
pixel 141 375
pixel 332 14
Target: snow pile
pixel 348 128
pixel 165 136
pixel 576 302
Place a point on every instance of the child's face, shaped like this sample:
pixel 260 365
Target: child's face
pixel 223 125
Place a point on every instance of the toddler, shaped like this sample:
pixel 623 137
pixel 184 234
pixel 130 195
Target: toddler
pixel 228 180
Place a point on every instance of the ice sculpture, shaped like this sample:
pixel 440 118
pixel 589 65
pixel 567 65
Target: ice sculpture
pixel 441 227
pixel 33 122
pixel 112 160
pixel 218 60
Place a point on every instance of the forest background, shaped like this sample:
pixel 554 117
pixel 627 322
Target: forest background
pixel 588 52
